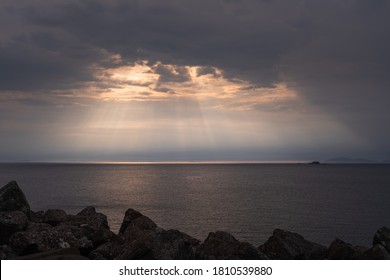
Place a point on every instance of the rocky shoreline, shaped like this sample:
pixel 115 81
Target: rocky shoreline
pixel 54 234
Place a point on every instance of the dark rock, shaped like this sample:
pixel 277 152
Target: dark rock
pixel 93 219
pixel 150 245
pixel 41 239
pixel 55 216
pixel 11 222
pixel 285 245
pixel 223 246
pixel 140 238
pixel 159 244
pixel 94 225
pixel 88 217
pixel 61 254
pixel 38 226
pixel 107 251
pixel 378 252
pixel 36 217
pixel 382 237
pixel 136 219
pixel 340 250
pixel 6 253
pixel 98 236
pixel 12 199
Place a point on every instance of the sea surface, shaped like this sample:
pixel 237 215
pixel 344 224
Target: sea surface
pixel 321 202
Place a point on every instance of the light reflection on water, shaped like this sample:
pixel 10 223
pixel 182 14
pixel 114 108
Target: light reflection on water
pixel 320 202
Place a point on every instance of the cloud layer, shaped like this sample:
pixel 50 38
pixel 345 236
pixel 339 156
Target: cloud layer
pixel 312 75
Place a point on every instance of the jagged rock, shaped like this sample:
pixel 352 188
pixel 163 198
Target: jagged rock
pixel 41 239
pixel 88 217
pixel 377 252
pixel 94 225
pixel 6 253
pixel 382 237
pixel 140 238
pixel 223 246
pixel 98 236
pixel 11 222
pixel 55 216
pixel 285 245
pixel 93 219
pixel 159 244
pixel 340 250
pixel 136 219
pixel 13 199
pixel 36 217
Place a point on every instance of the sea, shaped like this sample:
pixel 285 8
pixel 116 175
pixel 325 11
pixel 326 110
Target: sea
pixel 318 201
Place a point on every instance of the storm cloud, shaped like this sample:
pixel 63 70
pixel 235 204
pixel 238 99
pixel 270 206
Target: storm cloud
pixel 333 55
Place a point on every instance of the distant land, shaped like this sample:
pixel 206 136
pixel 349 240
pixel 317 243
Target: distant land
pixel 353 160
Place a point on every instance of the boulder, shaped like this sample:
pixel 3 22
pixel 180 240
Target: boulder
pixel 98 236
pixel 377 252
pixel 286 245
pixel 6 253
pixel 382 237
pixel 140 238
pixel 43 238
pixel 60 254
pixel 340 250
pixel 223 246
pixel 136 219
pixel 11 222
pixel 94 225
pixel 92 218
pixel 55 216
pixel 36 217
pixel 13 199
pixel 107 251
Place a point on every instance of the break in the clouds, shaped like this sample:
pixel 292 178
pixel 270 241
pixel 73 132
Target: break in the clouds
pixel 194 80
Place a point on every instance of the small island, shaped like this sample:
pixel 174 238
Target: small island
pixel 55 235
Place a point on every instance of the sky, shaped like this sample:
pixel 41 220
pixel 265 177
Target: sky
pixel 205 80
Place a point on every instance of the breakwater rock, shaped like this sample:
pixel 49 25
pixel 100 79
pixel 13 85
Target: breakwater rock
pixel 54 234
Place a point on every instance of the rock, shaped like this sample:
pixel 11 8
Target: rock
pixel 223 246
pixel 61 254
pixel 136 219
pixel 377 252
pixel 41 239
pixel 12 199
pixel 285 245
pixel 6 253
pixel 11 222
pixel 55 216
pixel 340 250
pixel 98 236
pixel 159 245
pixel 140 238
pixel 150 245
pixel 94 225
pixel 88 217
pixel 107 251
pixel 382 237
pixel 36 217
pixel 93 219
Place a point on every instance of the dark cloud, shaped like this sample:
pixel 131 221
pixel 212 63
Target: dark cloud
pixel 333 53
pixel 171 74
